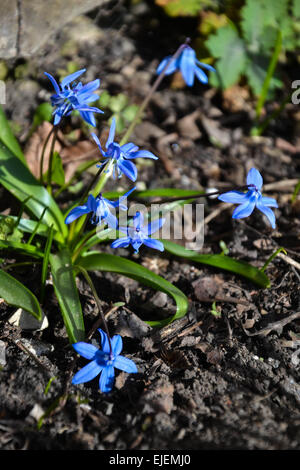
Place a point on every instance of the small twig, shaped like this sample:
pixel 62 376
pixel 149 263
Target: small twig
pixel 274 326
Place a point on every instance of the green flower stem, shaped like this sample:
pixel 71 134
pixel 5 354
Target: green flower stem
pixel 49 175
pixel 43 154
pixel 93 289
pixel 150 94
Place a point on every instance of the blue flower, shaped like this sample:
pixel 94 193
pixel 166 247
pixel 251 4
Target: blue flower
pixel 120 155
pixel 253 198
pixel 70 96
pixel 188 65
pixel 100 208
pixel 138 234
pixel 103 361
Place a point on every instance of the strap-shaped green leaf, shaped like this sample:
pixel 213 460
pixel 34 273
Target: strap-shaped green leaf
pixel 220 261
pixel 16 178
pixel 67 294
pixel 15 293
pixel 95 261
pixel 24 248
pixel 8 138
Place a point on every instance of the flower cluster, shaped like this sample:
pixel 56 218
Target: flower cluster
pixel 71 95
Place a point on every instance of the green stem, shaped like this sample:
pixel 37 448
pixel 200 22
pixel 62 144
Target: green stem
pixel 43 154
pixel 93 289
pixel 49 175
pixel 150 94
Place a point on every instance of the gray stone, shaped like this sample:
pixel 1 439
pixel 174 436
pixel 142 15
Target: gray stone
pixel 26 25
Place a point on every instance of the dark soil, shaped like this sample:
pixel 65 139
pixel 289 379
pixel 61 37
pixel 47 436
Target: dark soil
pixel 205 382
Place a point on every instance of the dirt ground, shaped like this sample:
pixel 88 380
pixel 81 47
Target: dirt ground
pixel 213 382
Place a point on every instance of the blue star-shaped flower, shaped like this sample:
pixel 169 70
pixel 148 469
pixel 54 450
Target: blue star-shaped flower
pixel 188 65
pixel 138 234
pixel 69 96
pixel 100 208
pixel 121 155
pixel 103 361
pixel 253 198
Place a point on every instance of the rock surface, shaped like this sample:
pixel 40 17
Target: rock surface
pixel 26 25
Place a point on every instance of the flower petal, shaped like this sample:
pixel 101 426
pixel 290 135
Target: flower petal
pixel 71 78
pixel 87 373
pixel 154 226
pixel 117 344
pixel 269 201
pixel 54 83
pixel 202 77
pixel 85 349
pixel 234 197
pixel 112 131
pixel 129 147
pixel 104 341
pixel 171 68
pixel 141 154
pixel 267 211
pixel 106 380
pixel 187 65
pixel 244 210
pixel 254 178
pixel 138 220
pixel 121 242
pixel 155 244
pixel 129 169
pixel 76 212
pixel 125 364
pixel 205 66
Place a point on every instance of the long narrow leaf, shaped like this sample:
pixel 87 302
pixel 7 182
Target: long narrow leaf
pixel 15 293
pixel 95 261
pixel 7 137
pixel 67 294
pixel 16 178
pixel 23 248
pixel 220 261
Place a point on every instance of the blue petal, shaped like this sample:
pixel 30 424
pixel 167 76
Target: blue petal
pixel 125 364
pixel 244 210
pixel 54 83
pixel 129 147
pixel 171 68
pixel 106 380
pixel 141 154
pixel 104 341
pixel 87 373
pixel 234 197
pixel 129 169
pixel 88 117
pixel 205 66
pixel 201 75
pixel 111 220
pixel 254 178
pixel 117 344
pixel 187 65
pixel 89 87
pixel 155 244
pixel 269 201
pixel 97 142
pixel 75 213
pixel 112 131
pixel 267 211
pixel 71 78
pixel 121 242
pixel 138 220
pixel 85 349
pixel 154 226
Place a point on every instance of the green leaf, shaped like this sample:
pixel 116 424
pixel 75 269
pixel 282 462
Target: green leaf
pixel 230 49
pixel 252 24
pixel 23 248
pixel 8 231
pixel 57 174
pixel 256 72
pixel 29 226
pixel 96 261
pixel 17 179
pixel 16 294
pixel 67 294
pixel 183 7
pixel 46 262
pixel 7 137
pixel 118 102
pixel 220 261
